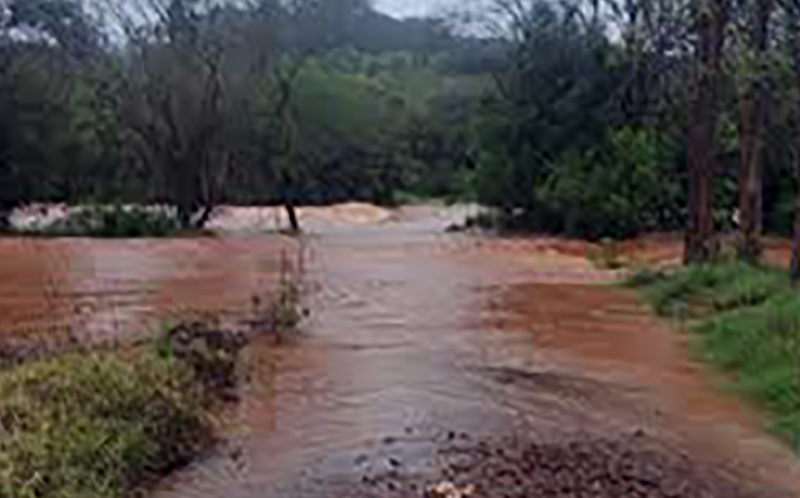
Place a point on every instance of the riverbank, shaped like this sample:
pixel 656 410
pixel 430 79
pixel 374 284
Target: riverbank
pixel 107 412
pixel 108 422
pixel 105 423
pixel 745 320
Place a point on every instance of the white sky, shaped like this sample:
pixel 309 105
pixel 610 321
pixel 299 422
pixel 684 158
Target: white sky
pixel 407 8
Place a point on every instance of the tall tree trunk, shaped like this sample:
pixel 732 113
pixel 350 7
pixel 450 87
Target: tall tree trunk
pixel 711 22
pixel 796 240
pixel 792 28
pixel 294 224
pixel 753 123
pixel 795 268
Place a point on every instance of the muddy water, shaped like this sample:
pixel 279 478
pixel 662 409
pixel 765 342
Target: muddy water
pixel 101 290
pixel 417 337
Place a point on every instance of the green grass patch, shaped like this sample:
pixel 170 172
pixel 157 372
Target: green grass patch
pixel 707 289
pixel 106 424
pixel 746 321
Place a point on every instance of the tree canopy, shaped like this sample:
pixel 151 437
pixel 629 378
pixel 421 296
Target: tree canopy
pixel 582 117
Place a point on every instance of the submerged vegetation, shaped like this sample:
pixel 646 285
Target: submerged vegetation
pixel 746 321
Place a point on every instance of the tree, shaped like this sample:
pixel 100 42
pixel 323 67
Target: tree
pixel 753 107
pixel 711 21
pixel 791 15
pixel 795 265
pixel 64 22
pixel 46 47
pixel 176 107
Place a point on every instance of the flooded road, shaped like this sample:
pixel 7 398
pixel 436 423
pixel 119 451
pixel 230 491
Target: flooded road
pixel 54 290
pixel 420 337
pixel 420 340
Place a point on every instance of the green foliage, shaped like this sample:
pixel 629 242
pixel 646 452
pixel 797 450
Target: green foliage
pixel 615 190
pixel 562 123
pixel 97 425
pixel 747 323
pixel 541 140
pixel 115 222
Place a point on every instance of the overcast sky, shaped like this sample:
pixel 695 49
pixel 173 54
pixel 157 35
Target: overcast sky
pixel 406 8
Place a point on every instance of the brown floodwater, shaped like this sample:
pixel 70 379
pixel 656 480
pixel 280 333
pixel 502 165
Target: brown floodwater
pixel 109 290
pixel 415 335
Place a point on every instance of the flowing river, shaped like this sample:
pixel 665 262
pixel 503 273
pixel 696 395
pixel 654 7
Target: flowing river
pixel 417 337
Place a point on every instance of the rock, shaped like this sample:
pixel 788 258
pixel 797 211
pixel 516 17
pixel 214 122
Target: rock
pixel 449 490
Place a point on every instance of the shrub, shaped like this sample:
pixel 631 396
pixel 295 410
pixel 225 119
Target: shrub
pixel 621 185
pixel 97 425
pixel 615 190
pixel 105 424
pixel 116 222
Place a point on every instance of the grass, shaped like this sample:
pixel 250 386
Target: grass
pixel 106 424
pixel 711 288
pixel 83 423
pixel 746 322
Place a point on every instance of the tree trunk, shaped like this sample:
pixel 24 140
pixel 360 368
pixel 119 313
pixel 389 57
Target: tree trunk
pixel 5 220
pixel 796 240
pixel 294 224
pixel 712 18
pixel 795 268
pixel 753 122
pixel 205 215
pixel 184 217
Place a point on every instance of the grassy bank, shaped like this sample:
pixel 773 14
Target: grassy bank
pixel 746 321
pixel 105 424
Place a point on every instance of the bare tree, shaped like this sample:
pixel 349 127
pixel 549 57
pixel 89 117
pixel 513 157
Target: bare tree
pixel 176 107
pixel 711 19
pixel 290 35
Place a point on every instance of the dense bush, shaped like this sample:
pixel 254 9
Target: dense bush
pixel 615 190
